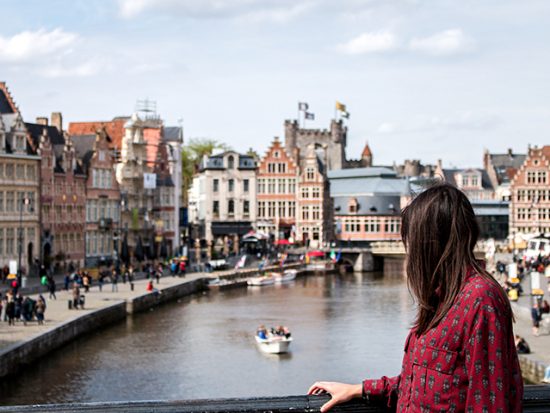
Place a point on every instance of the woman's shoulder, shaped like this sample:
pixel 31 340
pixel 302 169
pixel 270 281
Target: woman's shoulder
pixel 479 291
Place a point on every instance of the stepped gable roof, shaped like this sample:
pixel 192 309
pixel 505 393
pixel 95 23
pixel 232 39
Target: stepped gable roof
pixel 7 105
pixel 114 128
pixel 546 151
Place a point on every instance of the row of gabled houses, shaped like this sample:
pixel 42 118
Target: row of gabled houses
pixel 304 191
pixel 90 194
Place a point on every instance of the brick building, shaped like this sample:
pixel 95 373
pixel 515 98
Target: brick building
pixel 530 191
pixel 367 204
pixel 63 194
pixel 277 177
pixel 102 197
pixel 314 225
pixel 19 188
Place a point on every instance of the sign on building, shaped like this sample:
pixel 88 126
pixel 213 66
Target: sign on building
pixel 149 181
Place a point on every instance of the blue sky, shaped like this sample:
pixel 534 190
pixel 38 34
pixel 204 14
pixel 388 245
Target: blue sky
pixel 422 79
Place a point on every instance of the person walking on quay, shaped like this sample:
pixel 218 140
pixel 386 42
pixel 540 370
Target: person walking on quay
pixel 114 280
pixel 86 282
pixel 182 268
pixel 101 280
pixel 10 309
pixel 52 287
pixel 66 282
pixel 536 317
pixel 158 272
pixel 76 296
pixel 40 309
pixel 460 354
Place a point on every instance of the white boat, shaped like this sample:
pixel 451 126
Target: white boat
pixel 261 281
pixel 287 276
pixel 273 344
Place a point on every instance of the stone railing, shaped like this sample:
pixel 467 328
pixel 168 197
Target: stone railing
pixel 536 399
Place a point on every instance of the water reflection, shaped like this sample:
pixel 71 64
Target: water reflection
pixel 344 327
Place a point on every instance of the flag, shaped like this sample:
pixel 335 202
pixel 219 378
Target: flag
pixel 345 115
pixel 303 106
pixel 340 106
pixel 241 262
pixel 310 116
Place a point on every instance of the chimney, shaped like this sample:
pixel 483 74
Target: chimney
pixel 510 153
pixel 57 121
pixel 42 121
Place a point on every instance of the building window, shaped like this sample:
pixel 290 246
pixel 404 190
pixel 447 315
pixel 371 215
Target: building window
pixel 246 184
pixel 9 171
pixel 474 180
pixel 305 192
pixel 1 201
pixel 261 209
pixel 531 177
pixel 271 186
pixel 230 162
pixel 246 208
pixel 10 201
pixel 231 207
pixel 310 174
pixel 231 185
pixel 353 206
pixel 281 186
pixel 541 177
pixel 10 241
pixel 305 213
pixel 31 173
pixel 215 185
pixel 291 186
pixel 292 209
pixel 276 154
pixel 315 193
pixel 315 212
pixel 271 167
pixel 271 209
pixel 1 241
pixel 465 181
pixel 281 168
pixel 216 208
pixel 20 172
pixel 261 186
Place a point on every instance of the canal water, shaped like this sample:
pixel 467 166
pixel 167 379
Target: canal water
pixel 345 328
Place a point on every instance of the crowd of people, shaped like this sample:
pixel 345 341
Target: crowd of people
pixel 15 307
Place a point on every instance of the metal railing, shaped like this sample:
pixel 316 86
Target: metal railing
pixel 536 399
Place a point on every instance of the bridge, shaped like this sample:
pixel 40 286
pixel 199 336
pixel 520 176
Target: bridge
pixel 536 399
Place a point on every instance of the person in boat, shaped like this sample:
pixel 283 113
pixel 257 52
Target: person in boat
pixel 460 354
pixel 262 332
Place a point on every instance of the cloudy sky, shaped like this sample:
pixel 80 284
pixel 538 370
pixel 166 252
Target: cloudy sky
pixel 423 79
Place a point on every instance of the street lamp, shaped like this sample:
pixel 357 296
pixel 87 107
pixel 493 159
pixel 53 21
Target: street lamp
pixel 23 202
pixel 119 238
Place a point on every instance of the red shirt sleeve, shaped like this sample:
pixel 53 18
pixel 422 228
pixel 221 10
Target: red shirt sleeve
pixel 495 383
pixel 384 389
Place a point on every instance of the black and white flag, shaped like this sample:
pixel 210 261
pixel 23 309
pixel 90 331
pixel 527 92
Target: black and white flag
pixel 303 106
pixel 309 116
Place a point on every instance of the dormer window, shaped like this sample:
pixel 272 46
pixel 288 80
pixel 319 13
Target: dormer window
pixel 310 174
pixel 230 162
pixel 353 206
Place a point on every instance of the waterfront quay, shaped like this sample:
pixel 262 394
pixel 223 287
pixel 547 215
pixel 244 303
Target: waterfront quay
pixel 23 344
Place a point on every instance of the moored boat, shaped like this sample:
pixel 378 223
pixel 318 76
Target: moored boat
pixel 261 281
pixel 287 276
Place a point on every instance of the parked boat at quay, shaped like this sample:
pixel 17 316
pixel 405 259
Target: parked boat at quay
pixel 287 276
pixel 261 281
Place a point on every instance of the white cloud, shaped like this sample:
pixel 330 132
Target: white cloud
pixel 62 69
pixel 29 45
pixel 261 10
pixel 369 43
pixel 446 43
pixel 459 121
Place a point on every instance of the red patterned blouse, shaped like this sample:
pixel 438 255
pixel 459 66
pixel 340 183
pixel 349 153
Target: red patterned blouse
pixel 468 363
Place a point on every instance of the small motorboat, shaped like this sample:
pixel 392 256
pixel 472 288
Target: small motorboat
pixel 286 276
pixel 261 281
pixel 273 344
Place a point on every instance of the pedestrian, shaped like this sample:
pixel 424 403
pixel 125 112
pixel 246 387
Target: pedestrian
pixel 460 354
pixel 182 268
pixel 130 274
pixel 10 309
pixel 158 273
pixel 86 282
pixel 536 318
pixel 76 295
pixel 67 281
pixel 114 281
pixel 40 309
pixel 52 287
pixel 101 280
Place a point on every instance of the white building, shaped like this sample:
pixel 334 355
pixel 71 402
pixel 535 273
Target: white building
pixel 222 200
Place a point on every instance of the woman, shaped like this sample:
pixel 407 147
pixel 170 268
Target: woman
pixel 460 354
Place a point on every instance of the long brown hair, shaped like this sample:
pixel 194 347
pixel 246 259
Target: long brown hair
pixel 439 230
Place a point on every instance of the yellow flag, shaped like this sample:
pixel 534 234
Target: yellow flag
pixel 340 106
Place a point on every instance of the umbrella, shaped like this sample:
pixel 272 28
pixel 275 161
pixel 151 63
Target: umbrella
pixel 316 253
pixel 138 252
pixel 124 253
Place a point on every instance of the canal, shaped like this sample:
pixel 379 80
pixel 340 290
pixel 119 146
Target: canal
pixel 345 328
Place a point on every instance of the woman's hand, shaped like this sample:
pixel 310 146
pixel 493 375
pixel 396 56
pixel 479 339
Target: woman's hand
pixel 340 392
